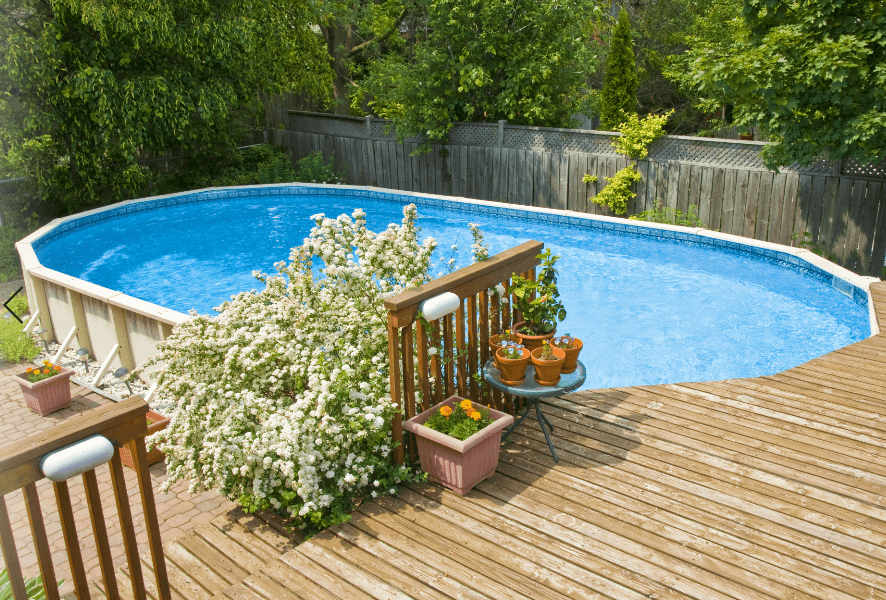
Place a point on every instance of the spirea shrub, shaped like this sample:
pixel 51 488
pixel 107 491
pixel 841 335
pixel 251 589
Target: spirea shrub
pixel 282 399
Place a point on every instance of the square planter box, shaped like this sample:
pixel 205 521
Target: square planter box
pixel 458 464
pixel 49 395
pixel 157 423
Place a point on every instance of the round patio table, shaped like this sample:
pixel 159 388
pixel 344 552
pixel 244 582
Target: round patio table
pixel 533 392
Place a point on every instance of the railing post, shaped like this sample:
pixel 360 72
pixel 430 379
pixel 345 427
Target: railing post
pixel 501 132
pixel 368 128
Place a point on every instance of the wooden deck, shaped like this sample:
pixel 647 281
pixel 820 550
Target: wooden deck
pixel 771 487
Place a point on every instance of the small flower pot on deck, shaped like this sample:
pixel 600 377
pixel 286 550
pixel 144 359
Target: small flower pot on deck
pixel 48 395
pixel 547 372
pixel 532 341
pixel 458 464
pixel 512 371
pixel 571 362
pixel 156 422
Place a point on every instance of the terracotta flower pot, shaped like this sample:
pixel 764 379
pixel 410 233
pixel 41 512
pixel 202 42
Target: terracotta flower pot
pixel 48 395
pixel 547 372
pixel 458 464
pixel 532 341
pixel 156 422
pixel 512 371
pixel 748 137
pixel 571 362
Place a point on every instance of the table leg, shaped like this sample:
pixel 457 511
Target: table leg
pixel 517 422
pixel 541 421
pixel 542 415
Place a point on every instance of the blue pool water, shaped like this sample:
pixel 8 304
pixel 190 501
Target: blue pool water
pixel 649 310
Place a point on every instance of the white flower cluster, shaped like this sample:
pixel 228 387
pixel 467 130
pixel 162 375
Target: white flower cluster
pixel 282 399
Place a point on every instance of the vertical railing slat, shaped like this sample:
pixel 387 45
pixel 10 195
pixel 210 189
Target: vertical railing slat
pixel 10 555
pixel 483 326
pixel 472 346
pixel 407 353
pixel 435 362
pixel 506 306
pixel 462 368
pixel 496 329
pixel 150 511
pixel 424 366
pixel 72 543
pixel 394 368
pixel 121 495
pixel 100 534
pixel 449 363
pixel 41 542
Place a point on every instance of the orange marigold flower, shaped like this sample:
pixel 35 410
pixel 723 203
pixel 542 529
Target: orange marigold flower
pixel 476 415
pixel 46 371
pixel 445 411
pixel 465 404
pixel 29 370
pixel 58 368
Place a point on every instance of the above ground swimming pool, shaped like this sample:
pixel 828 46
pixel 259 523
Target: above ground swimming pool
pixel 650 309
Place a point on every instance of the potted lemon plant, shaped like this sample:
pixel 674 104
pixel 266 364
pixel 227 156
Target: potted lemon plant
pixel 539 302
pixel 46 388
pixel 458 442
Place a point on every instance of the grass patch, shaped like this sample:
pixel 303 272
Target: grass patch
pixel 15 345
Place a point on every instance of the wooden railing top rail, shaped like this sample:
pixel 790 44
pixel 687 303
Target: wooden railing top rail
pixel 467 281
pixel 120 422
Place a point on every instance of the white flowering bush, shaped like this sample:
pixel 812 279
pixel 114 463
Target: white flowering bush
pixel 282 399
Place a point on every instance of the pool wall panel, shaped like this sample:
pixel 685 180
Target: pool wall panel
pixel 101 330
pixel 61 312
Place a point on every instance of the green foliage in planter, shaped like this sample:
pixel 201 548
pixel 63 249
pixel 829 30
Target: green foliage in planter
pixel 618 190
pixel 460 421
pixel 663 214
pixel 15 345
pixel 637 134
pixel 618 99
pixel 312 169
pixel 538 300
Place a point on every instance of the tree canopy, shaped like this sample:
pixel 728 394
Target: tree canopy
pixel 86 88
pixel 485 60
pixel 811 73
pixel 618 99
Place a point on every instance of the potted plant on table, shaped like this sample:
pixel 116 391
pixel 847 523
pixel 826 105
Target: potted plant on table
pixel 497 342
pixel 539 302
pixel 511 361
pixel 547 361
pixel 458 442
pixel 156 422
pixel 571 346
pixel 47 388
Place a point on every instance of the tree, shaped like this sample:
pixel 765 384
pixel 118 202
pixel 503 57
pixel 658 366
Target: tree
pixel 485 60
pixel 811 73
pixel 87 88
pixel 618 99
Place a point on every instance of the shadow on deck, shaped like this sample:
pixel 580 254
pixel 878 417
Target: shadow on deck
pixel 771 487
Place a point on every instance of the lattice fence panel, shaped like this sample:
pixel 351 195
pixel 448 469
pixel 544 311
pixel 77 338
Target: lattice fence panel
pixel 474 134
pixel 331 125
pixel 558 141
pixel 852 167
pixel 700 150
pixel 383 130
pixel 820 166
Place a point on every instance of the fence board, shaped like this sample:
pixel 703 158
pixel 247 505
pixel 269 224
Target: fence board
pixel 554 180
pixel 505 175
pixel 704 196
pixel 673 182
pixel 717 194
pixel 563 184
pixel 841 232
pixel 463 172
pixel 695 184
pixel 760 224
pixel 751 202
pixel 593 167
pixel 683 185
pixel 576 162
pixel 851 259
pixel 826 227
pixel 788 210
pixel 879 250
pixel 816 208
pixel 776 202
pixel 651 185
pixel 495 183
pixel 804 206
pixel 514 180
pixel 525 168
pixel 739 206
pixel 542 180
pixel 866 232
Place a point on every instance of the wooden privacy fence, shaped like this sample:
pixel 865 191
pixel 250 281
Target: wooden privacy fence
pixel 123 423
pixel 446 356
pixel 842 205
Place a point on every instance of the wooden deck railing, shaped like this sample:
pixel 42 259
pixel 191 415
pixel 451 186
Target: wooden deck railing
pixel 444 356
pixel 123 423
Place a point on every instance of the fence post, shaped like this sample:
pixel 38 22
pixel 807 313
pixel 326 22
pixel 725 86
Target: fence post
pixel 501 132
pixel 368 128
pixel 837 168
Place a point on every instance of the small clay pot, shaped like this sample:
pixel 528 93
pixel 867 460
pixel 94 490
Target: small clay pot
pixel 571 363
pixel 512 371
pixel 532 341
pixel 547 372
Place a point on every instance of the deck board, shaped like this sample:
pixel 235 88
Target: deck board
pixel 756 488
